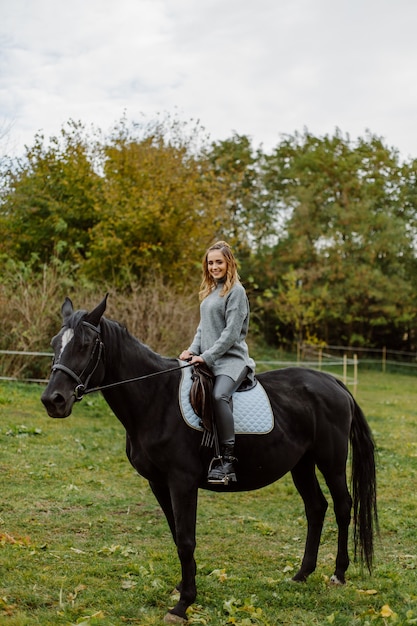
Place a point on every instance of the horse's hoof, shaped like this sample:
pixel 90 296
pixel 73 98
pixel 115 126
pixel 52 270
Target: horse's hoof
pixel 334 580
pixel 171 618
pixel 299 578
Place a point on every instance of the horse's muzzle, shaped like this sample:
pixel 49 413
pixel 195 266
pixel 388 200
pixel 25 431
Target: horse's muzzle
pixel 56 404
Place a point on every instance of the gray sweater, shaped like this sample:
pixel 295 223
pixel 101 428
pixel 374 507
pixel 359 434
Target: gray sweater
pixel 221 334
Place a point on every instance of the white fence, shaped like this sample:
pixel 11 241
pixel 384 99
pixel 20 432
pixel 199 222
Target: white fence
pixel 342 367
pixel 345 365
pixel 25 354
pixel 341 361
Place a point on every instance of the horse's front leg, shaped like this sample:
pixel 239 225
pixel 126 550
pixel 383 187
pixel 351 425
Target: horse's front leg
pixel 180 508
pixel 185 513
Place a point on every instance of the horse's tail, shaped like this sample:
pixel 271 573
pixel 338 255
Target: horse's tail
pixel 365 514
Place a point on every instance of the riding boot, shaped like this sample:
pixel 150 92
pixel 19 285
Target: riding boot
pixel 222 471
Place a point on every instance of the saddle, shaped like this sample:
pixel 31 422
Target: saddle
pixel 252 411
pixel 201 395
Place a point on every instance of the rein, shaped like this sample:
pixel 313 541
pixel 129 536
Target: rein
pixel 80 390
pixel 133 380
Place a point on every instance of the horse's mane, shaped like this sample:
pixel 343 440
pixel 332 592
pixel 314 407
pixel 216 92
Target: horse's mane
pixel 74 322
pixel 75 318
pixel 120 333
pixel 117 333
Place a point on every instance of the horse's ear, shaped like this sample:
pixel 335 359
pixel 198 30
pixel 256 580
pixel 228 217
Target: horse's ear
pixel 67 309
pixel 95 316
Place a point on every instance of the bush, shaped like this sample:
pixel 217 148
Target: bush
pixel 160 315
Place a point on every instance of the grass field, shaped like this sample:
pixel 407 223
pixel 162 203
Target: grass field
pixel 82 540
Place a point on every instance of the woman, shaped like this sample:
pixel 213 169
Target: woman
pixel 220 343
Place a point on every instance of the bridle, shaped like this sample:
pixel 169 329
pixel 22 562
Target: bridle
pixel 95 357
pixel 81 389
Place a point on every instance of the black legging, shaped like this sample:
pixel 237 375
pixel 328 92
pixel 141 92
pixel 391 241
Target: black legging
pixel 223 388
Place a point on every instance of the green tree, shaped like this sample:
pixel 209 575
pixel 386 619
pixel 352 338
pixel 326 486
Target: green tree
pixel 237 169
pixel 48 204
pixel 346 227
pixel 160 207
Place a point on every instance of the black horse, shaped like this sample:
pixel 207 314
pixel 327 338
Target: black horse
pixel 315 418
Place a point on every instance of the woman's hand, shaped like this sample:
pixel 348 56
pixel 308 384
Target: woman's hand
pixel 196 360
pixel 186 355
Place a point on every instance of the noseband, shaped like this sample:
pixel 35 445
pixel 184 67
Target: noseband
pixel 96 354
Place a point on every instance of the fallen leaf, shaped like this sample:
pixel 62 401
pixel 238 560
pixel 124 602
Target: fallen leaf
pixel 220 574
pixel 386 611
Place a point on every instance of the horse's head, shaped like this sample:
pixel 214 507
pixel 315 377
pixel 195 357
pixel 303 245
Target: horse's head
pixel 78 359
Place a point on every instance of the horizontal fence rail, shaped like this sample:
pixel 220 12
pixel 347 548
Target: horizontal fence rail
pixel 24 353
pixel 344 363
pixel 341 361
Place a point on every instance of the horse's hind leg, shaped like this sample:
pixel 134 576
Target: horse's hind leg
pixel 342 509
pixel 315 504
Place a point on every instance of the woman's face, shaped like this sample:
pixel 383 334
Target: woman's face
pixel 216 264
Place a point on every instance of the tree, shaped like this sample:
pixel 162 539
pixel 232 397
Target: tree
pixel 237 169
pixel 346 228
pixel 48 204
pixel 160 208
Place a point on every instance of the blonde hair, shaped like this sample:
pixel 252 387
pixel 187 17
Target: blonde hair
pixel 208 284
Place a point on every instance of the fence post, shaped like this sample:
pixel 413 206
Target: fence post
pixel 355 373
pixel 384 358
pixel 345 369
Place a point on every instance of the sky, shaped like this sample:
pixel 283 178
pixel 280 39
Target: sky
pixel 260 68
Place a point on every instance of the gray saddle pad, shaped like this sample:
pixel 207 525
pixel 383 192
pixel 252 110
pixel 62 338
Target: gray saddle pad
pixel 251 409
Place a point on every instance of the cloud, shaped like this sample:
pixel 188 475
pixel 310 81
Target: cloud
pixel 261 69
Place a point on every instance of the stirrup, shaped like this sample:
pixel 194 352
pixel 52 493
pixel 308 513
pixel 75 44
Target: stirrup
pixel 218 475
